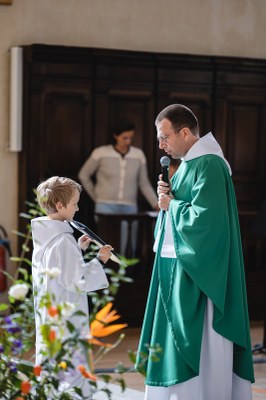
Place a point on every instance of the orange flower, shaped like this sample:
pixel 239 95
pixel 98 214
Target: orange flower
pixel 52 311
pixel 100 326
pixel 100 343
pixel 52 335
pixel 25 387
pixel 37 370
pixel 19 398
pixel 81 368
pixel 86 373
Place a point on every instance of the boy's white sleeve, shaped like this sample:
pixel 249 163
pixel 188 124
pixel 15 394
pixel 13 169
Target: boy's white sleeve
pixel 76 275
pixel 94 277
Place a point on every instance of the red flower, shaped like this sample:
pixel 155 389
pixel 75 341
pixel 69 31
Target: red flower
pixel 52 335
pixel 52 311
pixel 37 370
pixel 25 387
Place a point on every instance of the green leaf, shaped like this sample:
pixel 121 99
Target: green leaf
pixel 122 383
pixel 21 259
pixel 3 307
pixel 19 233
pixel 24 215
pixel 132 356
pixel 70 327
pixel 24 272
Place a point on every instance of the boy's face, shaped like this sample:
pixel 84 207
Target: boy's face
pixel 67 213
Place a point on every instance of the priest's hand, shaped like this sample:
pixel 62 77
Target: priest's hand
pixel 84 242
pixel 162 187
pixel 164 201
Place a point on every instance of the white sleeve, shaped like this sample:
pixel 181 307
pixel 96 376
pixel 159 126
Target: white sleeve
pixel 86 172
pixel 94 277
pixel 145 184
pixel 76 275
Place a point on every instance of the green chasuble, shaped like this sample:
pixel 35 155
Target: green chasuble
pixel 208 264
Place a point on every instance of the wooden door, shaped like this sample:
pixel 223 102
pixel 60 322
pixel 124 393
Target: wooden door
pixel 240 123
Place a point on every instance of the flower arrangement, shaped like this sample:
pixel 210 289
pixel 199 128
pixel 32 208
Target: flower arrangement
pixel 20 378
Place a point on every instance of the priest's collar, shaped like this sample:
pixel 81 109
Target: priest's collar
pixel 206 145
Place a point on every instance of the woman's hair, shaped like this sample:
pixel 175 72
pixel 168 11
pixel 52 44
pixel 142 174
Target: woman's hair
pixel 180 117
pixel 56 189
pixel 122 125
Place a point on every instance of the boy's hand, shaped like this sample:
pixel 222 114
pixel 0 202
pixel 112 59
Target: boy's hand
pixel 84 242
pixel 105 253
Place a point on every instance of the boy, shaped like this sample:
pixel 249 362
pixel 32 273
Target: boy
pixel 55 249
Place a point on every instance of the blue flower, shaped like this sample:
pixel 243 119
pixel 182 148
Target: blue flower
pixel 8 320
pixel 12 366
pixel 1 348
pixel 16 346
pixel 13 328
pixel 10 326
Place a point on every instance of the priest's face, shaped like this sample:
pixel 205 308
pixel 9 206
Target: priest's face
pixel 175 144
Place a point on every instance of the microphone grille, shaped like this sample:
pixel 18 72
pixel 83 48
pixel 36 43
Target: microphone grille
pixel 165 161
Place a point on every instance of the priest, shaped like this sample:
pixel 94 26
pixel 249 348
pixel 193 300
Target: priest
pixel 197 307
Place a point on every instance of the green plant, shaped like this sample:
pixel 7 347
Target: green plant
pixel 19 377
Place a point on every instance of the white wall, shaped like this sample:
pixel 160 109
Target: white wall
pixel 207 27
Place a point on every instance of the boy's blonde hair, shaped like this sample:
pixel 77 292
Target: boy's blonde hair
pixel 56 189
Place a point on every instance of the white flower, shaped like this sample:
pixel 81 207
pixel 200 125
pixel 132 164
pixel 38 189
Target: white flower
pixel 52 272
pixel 22 376
pixel 68 308
pixel 18 291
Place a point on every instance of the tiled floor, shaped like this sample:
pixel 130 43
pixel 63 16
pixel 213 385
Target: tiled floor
pixel 259 387
pixel 135 382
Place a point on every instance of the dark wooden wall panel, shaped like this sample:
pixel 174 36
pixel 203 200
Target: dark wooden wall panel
pixel 187 80
pixel 240 125
pixel 244 144
pixel 66 116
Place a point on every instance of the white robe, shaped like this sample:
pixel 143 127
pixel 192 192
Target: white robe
pixel 216 380
pixel 55 246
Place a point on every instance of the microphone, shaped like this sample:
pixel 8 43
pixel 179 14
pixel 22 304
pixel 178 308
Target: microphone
pixel 165 162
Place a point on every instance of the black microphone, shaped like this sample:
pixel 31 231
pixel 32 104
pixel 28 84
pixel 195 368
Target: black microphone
pixel 165 162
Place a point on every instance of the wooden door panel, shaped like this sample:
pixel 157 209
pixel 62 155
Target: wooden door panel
pixel 66 131
pixel 240 124
pixel 60 131
pixel 187 80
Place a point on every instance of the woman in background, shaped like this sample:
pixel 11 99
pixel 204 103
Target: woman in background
pixel 120 170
